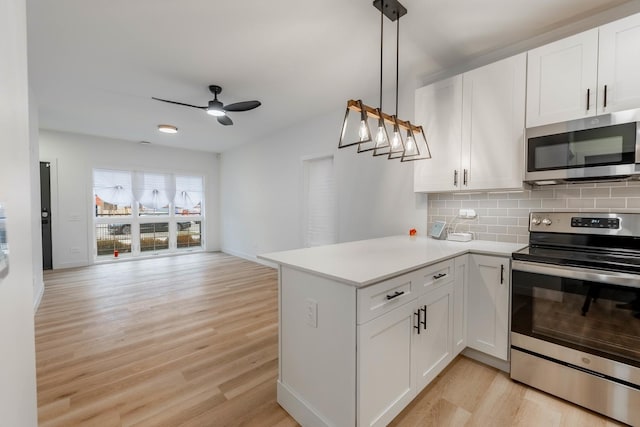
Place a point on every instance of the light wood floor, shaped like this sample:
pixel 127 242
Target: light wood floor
pixel 192 340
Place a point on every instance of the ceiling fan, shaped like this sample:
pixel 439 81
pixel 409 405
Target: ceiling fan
pixel 216 108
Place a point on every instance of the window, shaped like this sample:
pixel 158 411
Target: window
pixel 153 213
pixel 188 199
pixel 112 193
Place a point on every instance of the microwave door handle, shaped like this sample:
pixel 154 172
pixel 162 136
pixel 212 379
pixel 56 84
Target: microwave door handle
pixel 598 276
pixel 589 97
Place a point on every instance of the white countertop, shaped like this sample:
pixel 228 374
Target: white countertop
pixel 366 262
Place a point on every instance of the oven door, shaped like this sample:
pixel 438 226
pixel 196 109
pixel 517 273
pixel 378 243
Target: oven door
pixel 591 311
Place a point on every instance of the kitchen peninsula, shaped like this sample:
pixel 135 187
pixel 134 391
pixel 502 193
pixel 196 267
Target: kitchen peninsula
pixel 366 325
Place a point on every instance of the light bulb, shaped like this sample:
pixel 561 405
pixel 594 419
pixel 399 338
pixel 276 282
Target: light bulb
pixel 395 142
pixel 363 133
pixel 411 145
pixel 380 138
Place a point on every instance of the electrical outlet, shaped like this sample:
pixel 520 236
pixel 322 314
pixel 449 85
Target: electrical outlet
pixel 467 213
pixel 311 312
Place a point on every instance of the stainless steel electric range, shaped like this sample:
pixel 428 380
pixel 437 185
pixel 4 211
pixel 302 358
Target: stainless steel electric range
pixel 575 310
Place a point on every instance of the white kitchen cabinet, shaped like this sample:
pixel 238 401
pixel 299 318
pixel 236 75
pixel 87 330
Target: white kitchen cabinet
pixel 358 342
pixel 461 268
pixel 475 127
pixel 402 351
pixel 433 346
pixel 488 305
pixel 588 74
pixel 439 111
pixel 618 65
pixel 560 78
pixel 385 365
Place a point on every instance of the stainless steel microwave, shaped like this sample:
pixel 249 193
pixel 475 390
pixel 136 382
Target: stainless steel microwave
pixel 593 149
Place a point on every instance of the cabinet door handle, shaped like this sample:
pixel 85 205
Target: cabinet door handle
pixel 455 178
pixel 417 325
pixel 605 96
pixel 464 178
pixel 501 274
pixel 424 322
pixel 395 295
pixel 588 98
pixel 439 276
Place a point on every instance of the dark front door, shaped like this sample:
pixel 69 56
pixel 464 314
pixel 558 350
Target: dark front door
pixel 45 205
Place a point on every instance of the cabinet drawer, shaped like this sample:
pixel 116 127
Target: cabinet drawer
pixel 378 299
pixel 434 276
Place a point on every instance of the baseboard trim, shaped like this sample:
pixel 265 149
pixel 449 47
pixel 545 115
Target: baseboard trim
pixel 481 357
pixel 38 298
pixel 298 408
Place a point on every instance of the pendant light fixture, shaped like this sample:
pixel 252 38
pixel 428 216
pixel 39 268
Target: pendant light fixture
pixel 382 143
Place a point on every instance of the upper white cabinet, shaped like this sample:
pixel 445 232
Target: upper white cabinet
pixel 618 65
pixel 439 110
pixel 474 123
pixel 561 79
pixel 591 73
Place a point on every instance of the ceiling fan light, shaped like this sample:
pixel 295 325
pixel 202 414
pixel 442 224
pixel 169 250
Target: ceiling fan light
pixel 167 129
pixel 215 108
pixel 215 112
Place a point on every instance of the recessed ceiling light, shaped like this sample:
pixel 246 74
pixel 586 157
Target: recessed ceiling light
pixel 167 129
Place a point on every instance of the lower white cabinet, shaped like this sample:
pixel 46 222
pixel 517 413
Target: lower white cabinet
pixel 488 305
pixel 385 366
pixel 460 298
pixel 433 345
pixel 401 352
pixel 357 356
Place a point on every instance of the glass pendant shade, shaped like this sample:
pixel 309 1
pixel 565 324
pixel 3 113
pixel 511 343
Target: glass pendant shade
pixel 380 136
pixel 396 144
pixel 355 128
pixel 419 141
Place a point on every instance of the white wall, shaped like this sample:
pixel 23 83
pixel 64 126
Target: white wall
pixel 36 238
pixel 18 405
pixel 261 189
pixel 73 158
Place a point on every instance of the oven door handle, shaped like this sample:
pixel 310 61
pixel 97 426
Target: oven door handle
pixel 570 272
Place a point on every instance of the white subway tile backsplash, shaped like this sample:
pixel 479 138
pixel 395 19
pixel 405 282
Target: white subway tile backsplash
pixel 532 203
pixel 625 192
pixel 553 203
pixel 581 203
pixel 507 220
pixel 568 193
pixel 504 216
pixel 498 212
pixel 488 204
pixel 507 203
pixel 596 192
pixel 633 202
pixel 498 229
pixel 611 203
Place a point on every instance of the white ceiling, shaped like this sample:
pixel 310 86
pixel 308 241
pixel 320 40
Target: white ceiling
pixel 94 65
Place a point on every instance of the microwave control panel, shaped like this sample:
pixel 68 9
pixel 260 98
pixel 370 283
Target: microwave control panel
pixel 611 223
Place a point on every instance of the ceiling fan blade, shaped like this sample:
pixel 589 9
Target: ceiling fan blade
pixel 178 103
pixel 242 106
pixel 225 120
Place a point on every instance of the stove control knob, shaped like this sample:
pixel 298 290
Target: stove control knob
pixel 546 222
pixel 535 221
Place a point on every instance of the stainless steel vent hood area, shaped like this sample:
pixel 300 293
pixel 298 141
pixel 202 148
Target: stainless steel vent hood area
pixel 596 149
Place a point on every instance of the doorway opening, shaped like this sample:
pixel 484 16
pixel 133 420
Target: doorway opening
pixel 45 215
